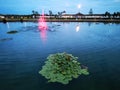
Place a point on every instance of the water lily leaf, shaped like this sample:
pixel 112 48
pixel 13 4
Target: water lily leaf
pixel 62 68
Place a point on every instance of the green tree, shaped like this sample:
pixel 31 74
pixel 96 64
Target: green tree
pixel 91 12
pixel 50 13
pixel 33 12
pixel 114 15
pixel 107 14
pixel 118 14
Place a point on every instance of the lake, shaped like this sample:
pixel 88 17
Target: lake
pixel 22 54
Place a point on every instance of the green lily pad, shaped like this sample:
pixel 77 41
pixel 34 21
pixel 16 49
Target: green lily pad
pixel 12 32
pixel 62 68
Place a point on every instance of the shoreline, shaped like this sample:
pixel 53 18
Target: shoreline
pixel 62 20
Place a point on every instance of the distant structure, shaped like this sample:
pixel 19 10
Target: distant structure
pixel 62 16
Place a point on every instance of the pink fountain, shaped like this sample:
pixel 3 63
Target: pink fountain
pixel 42 25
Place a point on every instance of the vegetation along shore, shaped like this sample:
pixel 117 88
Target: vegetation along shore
pixel 63 17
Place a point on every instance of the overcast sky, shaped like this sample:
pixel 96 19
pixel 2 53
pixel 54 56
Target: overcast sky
pixel 70 6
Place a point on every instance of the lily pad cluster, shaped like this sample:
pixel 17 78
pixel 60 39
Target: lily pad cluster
pixel 62 68
pixel 12 32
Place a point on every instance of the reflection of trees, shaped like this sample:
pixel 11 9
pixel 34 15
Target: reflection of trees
pixel 89 24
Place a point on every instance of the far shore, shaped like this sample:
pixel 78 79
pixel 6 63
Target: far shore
pixel 63 20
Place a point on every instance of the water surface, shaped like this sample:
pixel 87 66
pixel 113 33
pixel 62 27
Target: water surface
pixel 23 54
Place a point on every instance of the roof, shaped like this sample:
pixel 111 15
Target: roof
pixel 80 14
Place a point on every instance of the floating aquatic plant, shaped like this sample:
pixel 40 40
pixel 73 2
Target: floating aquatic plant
pixel 12 32
pixel 62 68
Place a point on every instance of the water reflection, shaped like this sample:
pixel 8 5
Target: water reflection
pixel 25 24
pixel 89 24
pixel 77 28
pixel 43 35
pixel 97 46
pixel 8 26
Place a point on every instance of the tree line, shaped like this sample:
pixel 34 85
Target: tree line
pixel 34 14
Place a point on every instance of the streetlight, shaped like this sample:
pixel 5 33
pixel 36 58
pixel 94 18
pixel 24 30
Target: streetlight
pixel 79 6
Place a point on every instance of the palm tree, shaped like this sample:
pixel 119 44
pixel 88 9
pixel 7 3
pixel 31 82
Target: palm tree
pixel 59 14
pixel 64 11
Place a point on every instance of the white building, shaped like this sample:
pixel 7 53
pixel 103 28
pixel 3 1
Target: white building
pixel 2 16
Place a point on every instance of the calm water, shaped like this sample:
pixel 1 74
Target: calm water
pixel 22 54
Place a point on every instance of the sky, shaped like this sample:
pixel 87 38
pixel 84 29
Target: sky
pixel 70 6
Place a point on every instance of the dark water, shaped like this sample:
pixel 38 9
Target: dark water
pixel 22 55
